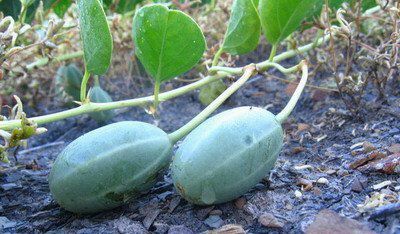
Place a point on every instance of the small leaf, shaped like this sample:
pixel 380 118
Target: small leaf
pixel 168 42
pixel 125 6
pixel 244 29
pixel 96 36
pixel 11 8
pixel 59 7
pixel 280 18
pixel 31 11
pixel 336 4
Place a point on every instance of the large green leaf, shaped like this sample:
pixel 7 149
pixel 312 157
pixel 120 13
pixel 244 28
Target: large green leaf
pixel 96 36
pixel 168 42
pixel 11 8
pixel 244 29
pixel 280 18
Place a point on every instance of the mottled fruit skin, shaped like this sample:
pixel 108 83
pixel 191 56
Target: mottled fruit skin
pixel 109 166
pixel 98 95
pixel 227 155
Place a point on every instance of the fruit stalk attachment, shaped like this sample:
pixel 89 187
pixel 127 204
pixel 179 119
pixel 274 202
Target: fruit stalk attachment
pixel 284 114
pixel 186 129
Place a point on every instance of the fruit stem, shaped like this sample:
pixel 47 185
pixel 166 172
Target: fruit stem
pixel 249 71
pixel 96 81
pixel 85 80
pixel 284 114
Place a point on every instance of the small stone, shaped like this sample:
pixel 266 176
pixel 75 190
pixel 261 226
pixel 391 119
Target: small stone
pixel 289 206
pixel 394 149
pixel 323 181
pixel 330 172
pixel 358 186
pixel 240 203
pixel 297 150
pixel 7 187
pixel 216 212
pixel 179 229
pixel 298 194
pixel 214 221
pixel 269 220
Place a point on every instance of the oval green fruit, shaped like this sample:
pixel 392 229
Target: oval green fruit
pixel 98 95
pixel 68 81
pixel 227 155
pixel 109 166
pixel 211 91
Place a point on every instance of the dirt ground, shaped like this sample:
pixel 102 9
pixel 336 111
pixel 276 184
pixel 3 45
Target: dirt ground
pixel 313 173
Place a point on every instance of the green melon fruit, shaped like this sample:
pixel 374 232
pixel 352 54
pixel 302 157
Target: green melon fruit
pixel 68 81
pixel 98 95
pixel 227 155
pixel 211 91
pixel 109 166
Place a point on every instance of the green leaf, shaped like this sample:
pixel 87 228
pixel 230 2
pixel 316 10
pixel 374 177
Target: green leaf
pixel 336 4
pixel 244 29
pixel 280 18
pixel 96 36
pixel 59 7
pixel 31 11
pixel 11 8
pixel 168 42
pixel 125 6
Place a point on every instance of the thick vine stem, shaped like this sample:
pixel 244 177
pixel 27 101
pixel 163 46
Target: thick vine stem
pixel 144 101
pixel 284 114
pixel 248 72
pixel 92 107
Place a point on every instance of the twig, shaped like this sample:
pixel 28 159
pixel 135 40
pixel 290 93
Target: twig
pixel 38 148
pixel 308 85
